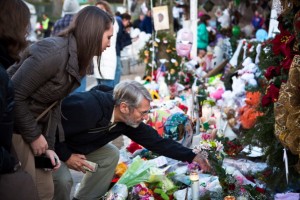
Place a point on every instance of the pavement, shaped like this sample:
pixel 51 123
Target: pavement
pixel 131 73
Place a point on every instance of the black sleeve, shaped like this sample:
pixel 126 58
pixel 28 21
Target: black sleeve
pixel 7 162
pixel 62 150
pixel 125 39
pixel 150 139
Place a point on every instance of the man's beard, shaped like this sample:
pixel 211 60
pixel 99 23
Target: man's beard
pixel 131 123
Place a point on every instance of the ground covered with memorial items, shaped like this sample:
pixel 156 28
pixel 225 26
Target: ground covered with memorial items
pixel 239 107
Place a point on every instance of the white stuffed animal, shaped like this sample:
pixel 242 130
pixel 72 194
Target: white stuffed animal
pixel 224 19
pixel 163 88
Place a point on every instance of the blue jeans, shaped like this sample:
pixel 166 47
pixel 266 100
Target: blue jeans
pixel 82 86
pixel 118 70
pixel 110 83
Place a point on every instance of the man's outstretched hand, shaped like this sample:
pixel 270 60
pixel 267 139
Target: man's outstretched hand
pixel 202 160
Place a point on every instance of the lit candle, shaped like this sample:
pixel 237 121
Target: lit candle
pixel 194 177
pixel 229 198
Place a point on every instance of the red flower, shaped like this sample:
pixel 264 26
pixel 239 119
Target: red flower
pixel 273 91
pixel 271 96
pixel 250 178
pixel 265 101
pixel 281 43
pixel 286 63
pixel 260 190
pixel 231 187
pixel 272 71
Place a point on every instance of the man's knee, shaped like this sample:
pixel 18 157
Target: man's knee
pixel 63 181
pixel 114 154
pixel 62 178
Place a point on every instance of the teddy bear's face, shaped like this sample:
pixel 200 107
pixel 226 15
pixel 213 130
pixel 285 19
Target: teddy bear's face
pixel 253 98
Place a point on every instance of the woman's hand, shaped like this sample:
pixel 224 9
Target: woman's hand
pixel 39 146
pixel 54 159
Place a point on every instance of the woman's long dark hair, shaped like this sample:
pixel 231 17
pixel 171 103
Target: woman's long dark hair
pixel 14 24
pixel 88 27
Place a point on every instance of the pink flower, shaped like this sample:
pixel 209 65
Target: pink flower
pixel 205 136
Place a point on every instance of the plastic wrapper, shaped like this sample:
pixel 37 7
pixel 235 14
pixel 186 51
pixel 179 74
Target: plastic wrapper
pixel 138 171
pixel 117 192
pixel 287 196
pixel 183 194
pixel 245 166
pixel 156 175
pixel 208 183
pixel 182 178
pixel 238 176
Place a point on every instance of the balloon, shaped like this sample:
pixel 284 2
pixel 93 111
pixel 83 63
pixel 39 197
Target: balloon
pixel 261 35
pixel 236 30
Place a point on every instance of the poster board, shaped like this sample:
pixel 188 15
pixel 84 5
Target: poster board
pixel 161 18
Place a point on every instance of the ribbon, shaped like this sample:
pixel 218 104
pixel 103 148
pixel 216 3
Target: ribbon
pixel 285 160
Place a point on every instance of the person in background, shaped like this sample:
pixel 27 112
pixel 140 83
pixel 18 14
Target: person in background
pixel 146 24
pixel 14 20
pixel 47 72
pixel 12 41
pixel 137 22
pixel 123 40
pixel 202 33
pixel 109 113
pixel 70 8
pixel 47 25
pixel 108 60
pixel 257 21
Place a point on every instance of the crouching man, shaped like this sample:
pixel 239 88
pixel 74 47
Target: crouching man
pixel 93 119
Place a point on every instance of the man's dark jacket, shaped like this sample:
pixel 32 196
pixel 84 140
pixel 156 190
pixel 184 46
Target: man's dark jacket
pixel 86 122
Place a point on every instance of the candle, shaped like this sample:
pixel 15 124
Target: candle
pixel 229 198
pixel 194 177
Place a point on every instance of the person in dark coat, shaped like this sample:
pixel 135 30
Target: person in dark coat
pixel 123 40
pixel 93 119
pixel 12 40
pixel 14 20
pixel 146 24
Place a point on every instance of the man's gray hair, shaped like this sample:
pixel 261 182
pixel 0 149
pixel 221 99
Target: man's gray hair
pixel 130 92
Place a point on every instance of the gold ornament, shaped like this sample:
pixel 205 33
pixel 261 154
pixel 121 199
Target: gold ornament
pixel 287 110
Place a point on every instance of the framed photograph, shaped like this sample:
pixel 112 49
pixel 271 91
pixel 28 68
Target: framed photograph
pixel 161 18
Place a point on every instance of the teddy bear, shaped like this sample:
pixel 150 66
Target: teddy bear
pixel 249 113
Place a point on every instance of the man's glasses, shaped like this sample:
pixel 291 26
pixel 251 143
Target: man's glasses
pixel 143 113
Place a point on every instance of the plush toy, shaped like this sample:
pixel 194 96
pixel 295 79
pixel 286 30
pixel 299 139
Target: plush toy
pixel 249 112
pixel 228 100
pixel 184 42
pixel 163 87
pixel 224 19
pixel 217 94
pixel 249 72
pixel 133 146
pixel 230 116
pixel 209 127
